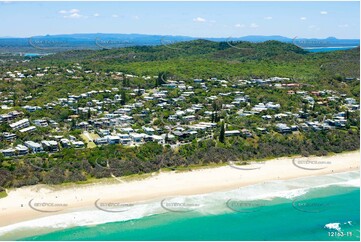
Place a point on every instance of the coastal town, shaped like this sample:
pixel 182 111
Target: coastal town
pixel 172 112
pixel 180 120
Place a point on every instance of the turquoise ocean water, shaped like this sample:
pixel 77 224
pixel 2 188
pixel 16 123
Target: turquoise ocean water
pixel 312 208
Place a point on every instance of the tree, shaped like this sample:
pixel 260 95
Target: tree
pixel 14 99
pixel 221 135
pixel 73 124
pixel 161 79
pixel 89 114
pixel 123 98
pixel 166 139
pixel 124 80
pixel 139 93
pixel 216 105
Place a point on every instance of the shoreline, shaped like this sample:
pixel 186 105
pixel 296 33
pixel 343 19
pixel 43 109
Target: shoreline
pixel 19 205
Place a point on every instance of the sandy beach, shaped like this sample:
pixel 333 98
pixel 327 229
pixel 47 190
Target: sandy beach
pixel 38 201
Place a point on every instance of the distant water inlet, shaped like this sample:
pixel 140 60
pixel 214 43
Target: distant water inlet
pixel 304 43
pixel 322 45
pixel 48 44
pixel 108 43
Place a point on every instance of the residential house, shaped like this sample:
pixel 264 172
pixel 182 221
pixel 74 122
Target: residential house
pixel 101 141
pixel 8 152
pixel 28 129
pixel 33 146
pixel 113 139
pixel 149 131
pixel 41 123
pixel 51 145
pixel 283 128
pixel 65 143
pixel 77 144
pixel 137 138
pixel 23 123
pixel 21 150
pixel 8 136
pixel 125 139
pixel 229 133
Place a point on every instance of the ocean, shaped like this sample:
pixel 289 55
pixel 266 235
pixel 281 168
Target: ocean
pixel 312 208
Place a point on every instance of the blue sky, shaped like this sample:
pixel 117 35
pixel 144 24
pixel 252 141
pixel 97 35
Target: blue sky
pixel 198 19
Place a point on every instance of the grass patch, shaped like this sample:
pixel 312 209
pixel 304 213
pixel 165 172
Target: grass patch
pixel 90 144
pixel 3 194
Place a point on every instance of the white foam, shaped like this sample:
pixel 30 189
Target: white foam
pixel 349 223
pixel 337 226
pixel 334 226
pixel 291 189
pixel 83 218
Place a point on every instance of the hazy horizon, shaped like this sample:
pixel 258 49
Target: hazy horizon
pixel 273 35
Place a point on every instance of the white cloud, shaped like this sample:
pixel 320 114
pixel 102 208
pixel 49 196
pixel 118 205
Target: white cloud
pixel 268 18
pixel 96 14
pixel 115 16
pixel 312 26
pixel 199 19
pixel 239 25
pixel 74 10
pixel 72 13
pixel 343 26
pixel 323 12
pixel 254 25
pixel 136 17
pixel 303 18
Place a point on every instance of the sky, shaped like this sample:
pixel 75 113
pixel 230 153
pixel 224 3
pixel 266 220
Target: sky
pixel 196 19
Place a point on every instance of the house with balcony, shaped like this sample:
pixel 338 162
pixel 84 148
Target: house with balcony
pixel 23 123
pixel 34 147
pixel 8 152
pixel 21 150
pixel 41 123
pixel 8 136
pixel 51 145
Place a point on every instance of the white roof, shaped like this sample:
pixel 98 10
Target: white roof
pixel 20 122
pixel 33 144
pixel 157 137
pixel 21 147
pixel 112 137
pixel 232 132
pixel 31 128
pixel 136 135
